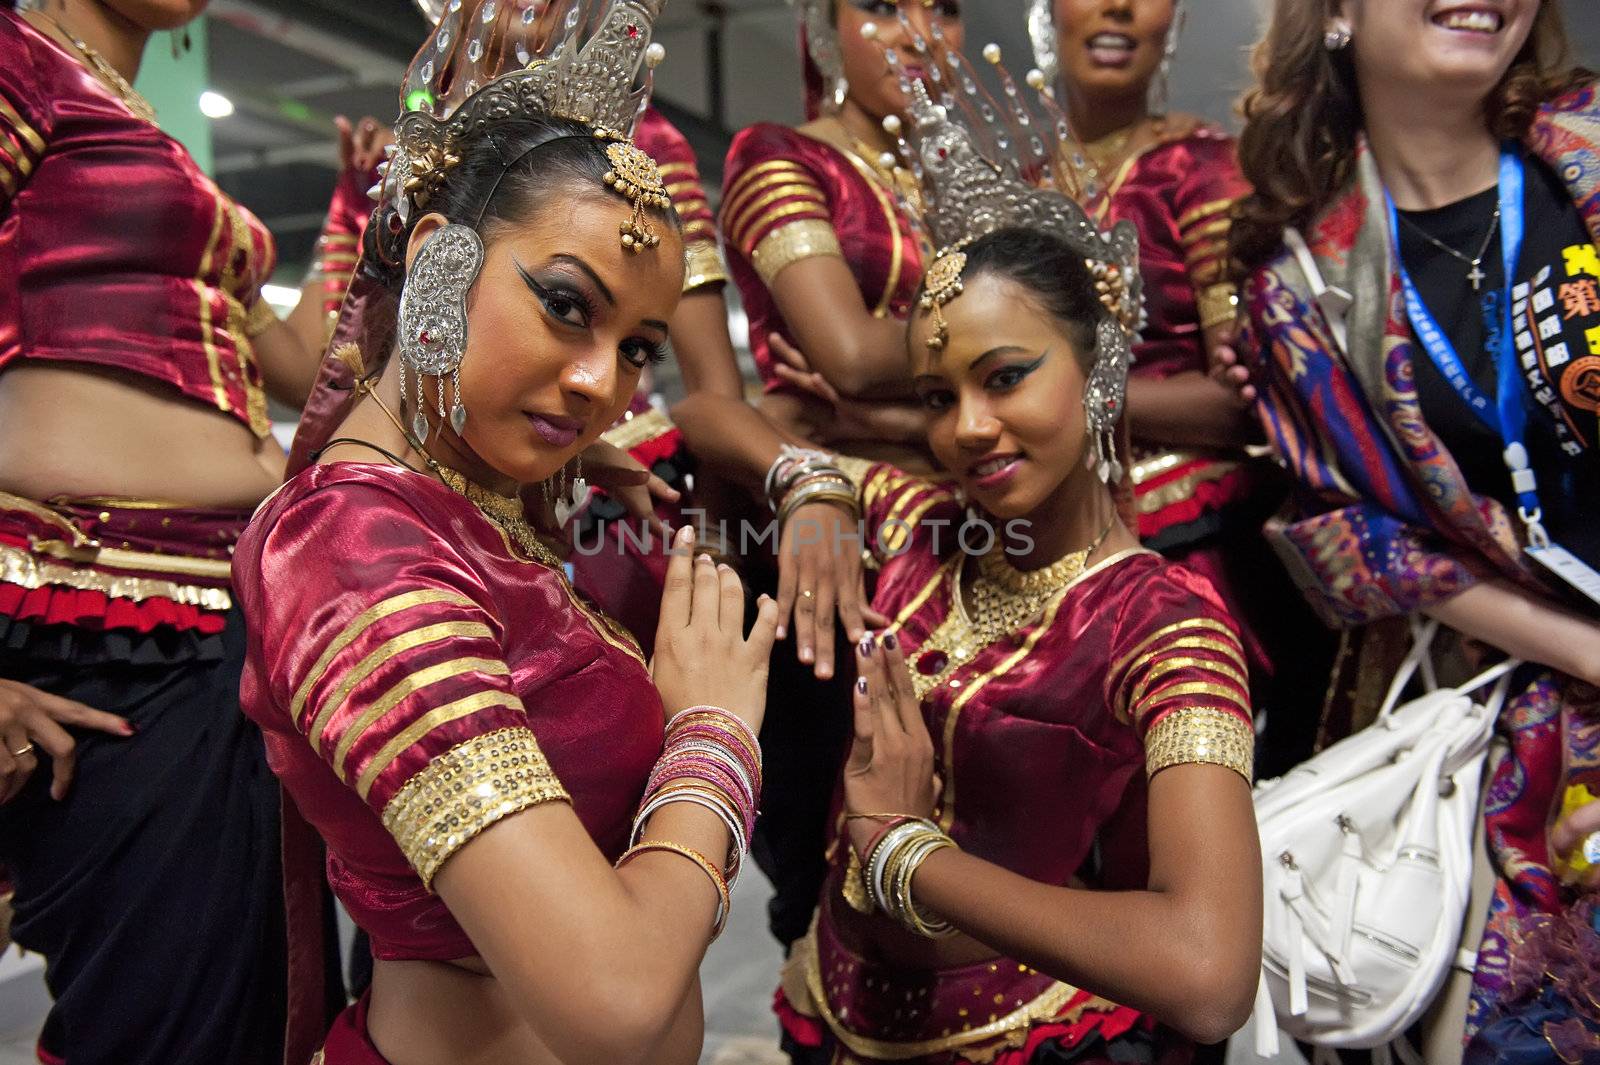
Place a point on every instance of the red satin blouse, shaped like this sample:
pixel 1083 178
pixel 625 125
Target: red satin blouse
pixel 786 197
pixel 417 679
pixel 115 249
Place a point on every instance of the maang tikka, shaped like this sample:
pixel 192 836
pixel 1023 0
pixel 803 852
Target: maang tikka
pixel 433 320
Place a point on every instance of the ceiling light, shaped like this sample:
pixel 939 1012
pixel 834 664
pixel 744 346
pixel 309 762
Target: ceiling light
pixel 215 105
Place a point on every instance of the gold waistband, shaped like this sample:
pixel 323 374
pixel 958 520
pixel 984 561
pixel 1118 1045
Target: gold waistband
pixel 30 571
pixel 87 551
pixel 1011 1028
pixel 1151 500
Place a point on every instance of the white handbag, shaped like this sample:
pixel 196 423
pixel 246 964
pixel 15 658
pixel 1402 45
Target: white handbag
pixel 1367 856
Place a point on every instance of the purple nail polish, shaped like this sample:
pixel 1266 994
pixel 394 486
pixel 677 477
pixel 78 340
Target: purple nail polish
pixel 865 646
pixel 861 685
pixel 889 642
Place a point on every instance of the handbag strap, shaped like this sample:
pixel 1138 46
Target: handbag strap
pixel 1422 634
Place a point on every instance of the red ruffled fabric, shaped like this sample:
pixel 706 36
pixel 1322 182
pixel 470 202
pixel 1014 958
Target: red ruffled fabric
pixel 86 609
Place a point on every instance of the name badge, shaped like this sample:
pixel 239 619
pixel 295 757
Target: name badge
pixel 1568 567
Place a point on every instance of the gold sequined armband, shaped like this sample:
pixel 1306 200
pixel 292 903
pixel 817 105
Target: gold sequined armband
pixel 805 239
pixel 703 265
pixel 261 318
pixel 1218 305
pixel 465 790
pixel 1201 735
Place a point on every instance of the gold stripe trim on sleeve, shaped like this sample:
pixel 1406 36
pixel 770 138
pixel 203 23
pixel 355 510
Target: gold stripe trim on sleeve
pixel 703 264
pixel 1189 218
pixel 670 169
pixel 808 238
pixel 360 624
pixel 791 171
pixel 8 183
pixel 736 205
pixel 1172 664
pixel 16 157
pixel 426 723
pixel 1177 626
pixel 1209 231
pixel 1234 653
pixel 748 216
pixel 1201 735
pixel 465 790
pixel 1193 687
pixel 380 656
pixel 675 188
pixel 22 129
pixel 405 688
pixel 891 215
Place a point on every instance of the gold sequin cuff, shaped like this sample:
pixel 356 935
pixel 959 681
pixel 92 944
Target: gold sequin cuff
pixel 1218 305
pixel 465 790
pixel 1201 735
pixel 261 318
pixel 808 238
pixel 638 429
pixel 703 265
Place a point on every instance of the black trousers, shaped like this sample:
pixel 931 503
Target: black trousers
pixel 154 890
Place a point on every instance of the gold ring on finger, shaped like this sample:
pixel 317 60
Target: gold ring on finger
pixel 25 749
pixel 808 594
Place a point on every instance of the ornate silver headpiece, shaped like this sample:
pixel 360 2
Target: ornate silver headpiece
pixel 1042 34
pixel 492 60
pixel 984 166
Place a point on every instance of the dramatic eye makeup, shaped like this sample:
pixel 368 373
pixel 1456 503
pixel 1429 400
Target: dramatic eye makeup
pixel 1008 376
pixel 570 304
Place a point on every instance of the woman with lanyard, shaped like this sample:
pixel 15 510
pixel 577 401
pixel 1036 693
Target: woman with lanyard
pixel 1421 320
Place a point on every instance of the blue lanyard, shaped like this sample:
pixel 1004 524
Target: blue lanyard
pixel 1506 414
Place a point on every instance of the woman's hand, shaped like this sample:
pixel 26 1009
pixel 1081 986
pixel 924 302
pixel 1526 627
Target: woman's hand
pixel 819 578
pixel 624 478
pixel 702 655
pixel 890 769
pixel 29 719
pixel 361 145
pixel 899 421
pixel 1229 370
pixel 1568 835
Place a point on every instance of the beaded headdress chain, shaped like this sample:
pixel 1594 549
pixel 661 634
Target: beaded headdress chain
pixel 986 163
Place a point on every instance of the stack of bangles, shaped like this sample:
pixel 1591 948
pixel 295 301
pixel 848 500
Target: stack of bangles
pixel 802 476
pixel 713 760
pixel 892 859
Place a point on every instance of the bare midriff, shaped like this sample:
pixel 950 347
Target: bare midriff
pixel 80 431
pixel 426 1012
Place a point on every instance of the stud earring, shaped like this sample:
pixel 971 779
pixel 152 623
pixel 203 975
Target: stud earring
pixel 1338 37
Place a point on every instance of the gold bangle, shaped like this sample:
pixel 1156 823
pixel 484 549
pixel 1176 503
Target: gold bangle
pixel 724 900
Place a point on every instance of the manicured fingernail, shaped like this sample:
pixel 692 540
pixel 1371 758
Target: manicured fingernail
pixel 889 642
pixel 686 536
pixel 861 685
pixel 824 672
pixel 865 646
pixel 129 728
pixel 780 633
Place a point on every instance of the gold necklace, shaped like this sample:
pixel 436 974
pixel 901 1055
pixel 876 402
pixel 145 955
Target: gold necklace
pixel 505 511
pixel 1004 599
pixel 136 103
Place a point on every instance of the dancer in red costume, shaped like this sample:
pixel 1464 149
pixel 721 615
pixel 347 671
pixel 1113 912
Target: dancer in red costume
pixel 1049 784
pixel 537 830
pixel 136 357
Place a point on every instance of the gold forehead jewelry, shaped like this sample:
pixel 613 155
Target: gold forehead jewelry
pixel 636 176
pixel 942 285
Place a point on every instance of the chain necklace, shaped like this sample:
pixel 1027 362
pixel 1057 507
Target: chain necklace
pixel 504 511
pixel 1004 599
pixel 1475 275
pixel 109 74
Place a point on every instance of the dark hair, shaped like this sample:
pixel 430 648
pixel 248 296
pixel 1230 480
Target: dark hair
pixel 1048 268
pixel 503 177
pixel 1298 147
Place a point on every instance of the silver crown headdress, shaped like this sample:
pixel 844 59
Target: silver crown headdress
pixel 492 60
pixel 984 166
pixel 1042 34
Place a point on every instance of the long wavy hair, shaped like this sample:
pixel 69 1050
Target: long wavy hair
pixel 1303 118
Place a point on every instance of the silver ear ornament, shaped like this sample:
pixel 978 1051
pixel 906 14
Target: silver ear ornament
pixel 433 318
pixel 822 44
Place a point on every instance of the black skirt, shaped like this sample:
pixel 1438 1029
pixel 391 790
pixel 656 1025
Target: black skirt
pixel 154 889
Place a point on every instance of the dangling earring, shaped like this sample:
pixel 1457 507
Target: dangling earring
pixel 433 318
pixel 841 91
pixel 1161 84
pixel 1103 400
pixel 1338 37
pixel 571 497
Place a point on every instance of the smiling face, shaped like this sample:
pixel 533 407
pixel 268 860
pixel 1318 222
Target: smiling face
pixel 1004 397
pixel 1428 46
pixel 1111 47
pixel 873 85
pixel 560 324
